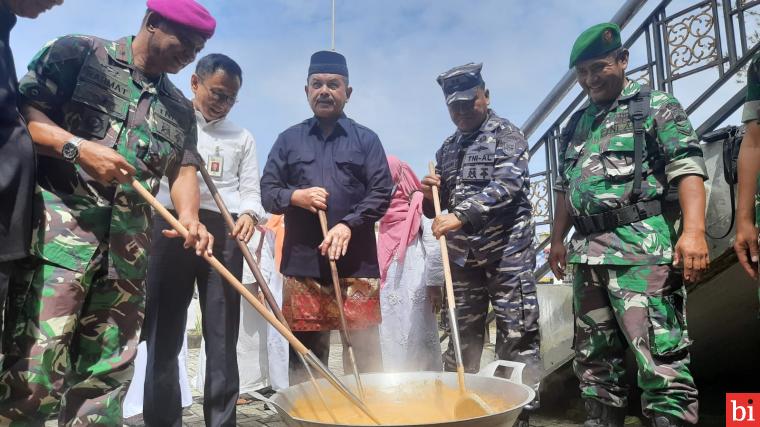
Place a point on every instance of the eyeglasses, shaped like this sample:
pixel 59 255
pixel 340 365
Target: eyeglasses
pixel 219 97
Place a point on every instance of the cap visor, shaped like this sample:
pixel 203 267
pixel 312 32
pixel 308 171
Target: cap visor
pixel 462 95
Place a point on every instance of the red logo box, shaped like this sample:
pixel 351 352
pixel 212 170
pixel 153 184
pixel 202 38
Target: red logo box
pixel 742 409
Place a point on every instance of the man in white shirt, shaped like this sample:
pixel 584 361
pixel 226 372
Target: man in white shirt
pixel 229 152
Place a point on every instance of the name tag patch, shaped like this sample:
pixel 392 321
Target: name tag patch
pixel 478 162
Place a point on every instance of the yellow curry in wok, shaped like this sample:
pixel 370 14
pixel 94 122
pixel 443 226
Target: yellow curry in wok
pixel 422 402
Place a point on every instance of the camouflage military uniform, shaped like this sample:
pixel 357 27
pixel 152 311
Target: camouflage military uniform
pixel 484 179
pixel 625 291
pixel 79 315
pixel 751 112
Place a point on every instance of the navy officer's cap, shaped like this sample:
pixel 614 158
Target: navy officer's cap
pixel 461 83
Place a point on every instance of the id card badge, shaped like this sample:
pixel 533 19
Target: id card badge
pixel 215 164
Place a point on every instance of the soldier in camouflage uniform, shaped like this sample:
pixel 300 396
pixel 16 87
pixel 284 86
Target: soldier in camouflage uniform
pixel 748 203
pixel 482 174
pixel 101 113
pixel 627 291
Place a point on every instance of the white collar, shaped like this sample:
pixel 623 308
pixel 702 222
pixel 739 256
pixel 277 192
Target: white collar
pixel 202 122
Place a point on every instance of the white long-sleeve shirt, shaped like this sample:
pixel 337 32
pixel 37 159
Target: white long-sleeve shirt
pixel 239 181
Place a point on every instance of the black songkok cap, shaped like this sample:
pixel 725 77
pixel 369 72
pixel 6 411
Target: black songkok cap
pixel 328 62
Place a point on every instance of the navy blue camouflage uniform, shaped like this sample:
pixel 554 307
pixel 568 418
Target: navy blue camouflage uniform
pixel 484 181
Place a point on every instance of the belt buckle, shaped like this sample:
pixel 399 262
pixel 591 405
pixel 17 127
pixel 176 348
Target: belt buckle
pixel 598 221
pixel 580 225
pixel 639 215
pixel 619 217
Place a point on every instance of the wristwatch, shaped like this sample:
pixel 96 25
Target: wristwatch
pixel 70 151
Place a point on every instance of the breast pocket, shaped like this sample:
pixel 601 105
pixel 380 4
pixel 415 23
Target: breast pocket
pixel 161 153
pixel 299 164
pixel 350 167
pixel 617 156
pixel 92 109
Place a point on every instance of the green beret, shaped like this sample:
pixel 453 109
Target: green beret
pixel 594 42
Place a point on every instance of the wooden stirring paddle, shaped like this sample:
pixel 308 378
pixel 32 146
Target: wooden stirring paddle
pixel 297 345
pixel 469 404
pixel 339 300
pixel 254 267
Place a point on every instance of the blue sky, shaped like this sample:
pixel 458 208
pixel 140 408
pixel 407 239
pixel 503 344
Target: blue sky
pixel 395 49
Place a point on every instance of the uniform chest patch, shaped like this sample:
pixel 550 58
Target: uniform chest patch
pixel 114 79
pixel 477 164
pixel 617 124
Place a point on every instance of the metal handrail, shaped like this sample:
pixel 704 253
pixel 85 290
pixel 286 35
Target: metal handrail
pixel 622 17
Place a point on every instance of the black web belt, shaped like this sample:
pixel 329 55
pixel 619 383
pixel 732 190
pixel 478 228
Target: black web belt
pixel 610 220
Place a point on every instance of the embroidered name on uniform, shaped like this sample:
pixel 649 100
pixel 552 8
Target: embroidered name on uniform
pixel 479 158
pixel 477 164
pixel 111 78
pixel 620 124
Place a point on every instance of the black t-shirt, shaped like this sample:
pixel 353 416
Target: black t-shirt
pixel 17 162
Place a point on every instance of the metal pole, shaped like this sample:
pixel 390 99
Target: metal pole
pixel 659 57
pixel 730 36
pixel 333 26
pixel 557 94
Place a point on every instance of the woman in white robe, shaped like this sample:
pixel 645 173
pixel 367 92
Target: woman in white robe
pixel 411 277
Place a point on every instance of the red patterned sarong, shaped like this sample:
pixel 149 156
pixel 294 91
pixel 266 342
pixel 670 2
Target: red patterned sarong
pixel 309 305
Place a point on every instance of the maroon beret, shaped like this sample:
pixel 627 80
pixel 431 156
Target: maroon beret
pixel 185 12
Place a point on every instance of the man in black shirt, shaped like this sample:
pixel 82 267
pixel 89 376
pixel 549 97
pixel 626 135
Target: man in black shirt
pixel 331 163
pixel 17 163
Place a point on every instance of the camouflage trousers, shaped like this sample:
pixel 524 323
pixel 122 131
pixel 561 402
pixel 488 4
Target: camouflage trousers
pixel 510 287
pixel 71 345
pixel 641 307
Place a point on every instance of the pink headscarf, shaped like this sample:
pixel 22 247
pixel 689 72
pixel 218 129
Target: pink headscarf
pixel 401 222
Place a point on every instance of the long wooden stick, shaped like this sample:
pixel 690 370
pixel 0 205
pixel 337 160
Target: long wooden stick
pixel 219 267
pixel 268 316
pixel 339 299
pixel 449 289
pixel 262 284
